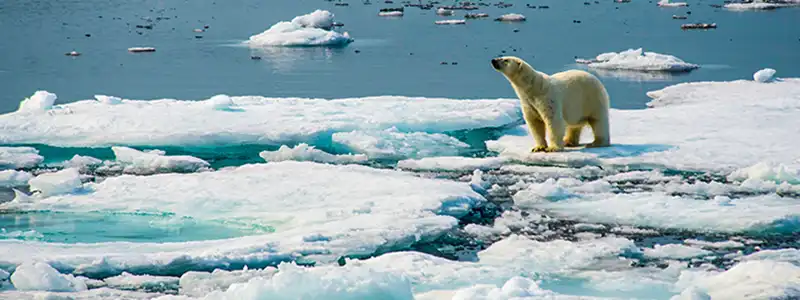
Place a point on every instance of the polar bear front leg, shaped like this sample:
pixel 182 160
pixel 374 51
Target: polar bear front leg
pixel 536 127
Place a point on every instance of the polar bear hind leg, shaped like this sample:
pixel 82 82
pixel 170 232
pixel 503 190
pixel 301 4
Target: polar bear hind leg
pixel 573 137
pixel 600 128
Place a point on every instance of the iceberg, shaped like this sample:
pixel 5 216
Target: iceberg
pixel 257 121
pixel 303 31
pixel 293 209
pixel 639 60
pixel 19 157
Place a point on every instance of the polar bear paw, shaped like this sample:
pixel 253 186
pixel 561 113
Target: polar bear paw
pixel 539 149
pixel 553 149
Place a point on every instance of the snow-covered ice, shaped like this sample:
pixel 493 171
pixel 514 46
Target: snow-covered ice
pixel 304 152
pixel 127 281
pixel 675 251
pixel 639 60
pixel 753 280
pixel 19 157
pixel 511 18
pixel 313 210
pixel 155 161
pixel 198 284
pixel 81 162
pixel 452 163
pixel 12 178
pixel 451 22
pixel 39 102
pixel 62 182
pixel 39 276
pixel 666 3
pixel 764 75
pixel 390 14
pixel 758 5
pixel 307 30
pixel 258 120
pixel 394 144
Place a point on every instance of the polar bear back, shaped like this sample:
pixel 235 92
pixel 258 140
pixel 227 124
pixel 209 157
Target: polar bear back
pixel 582 95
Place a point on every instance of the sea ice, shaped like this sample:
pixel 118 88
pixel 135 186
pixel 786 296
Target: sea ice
pixel 139 162
pixel 714 245
pixel 511 18
pixel 220 102
pixel 666 3
pixel 257 120
pixel 452 163
pixel 39 276
pixel 304 152
pixel 639 60
pixel 19 157
pixel 62 182
pixel 764 75
pixel 39 102
pixel 127 281
pixel 762 279
pixel 394 144
pixel 82 163
pixel 390 14
pixel 108 100
pixel 12 178
pixel 758 5
pixel 198 284
pixel 675 251
pixel 307 30
pixel 348 210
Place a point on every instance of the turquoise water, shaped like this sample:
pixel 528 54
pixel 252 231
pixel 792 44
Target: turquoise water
pixel 397 56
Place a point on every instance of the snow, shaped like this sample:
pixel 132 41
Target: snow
pixel 511 18
pixel 304 152
pixel 12 178
pixel 451 163
pixel 127 281
pixel 394 144
pixel 693 127
pixel 675 251
pixel 303 31
pixel 316 211
pixel 259 120
pixel 666 3
pixel 753 280
pixel 764 75
pixel 155 161
pixel 639 60
pixel 19 157
pixel 62 182
pixel 38 276
pixel 40 101
pixel 92 294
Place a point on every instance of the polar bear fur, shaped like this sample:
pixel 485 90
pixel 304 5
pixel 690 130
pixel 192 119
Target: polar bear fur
pixel 557 107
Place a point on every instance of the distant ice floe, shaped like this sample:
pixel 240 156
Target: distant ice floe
pixel 638 60
pixel 313 211
pixel 764 75
pixel 19 157
pixel 760 5
pixel 511 18
pixel 312 29
pixel 395 144
pixel 666 3
pixel 304 152
pixel 256 120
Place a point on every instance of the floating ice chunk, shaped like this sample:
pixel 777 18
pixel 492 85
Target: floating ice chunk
pixel 386 210
pixel 640 177
pixel 791 255
pixel 764 75
pixel 451 163
pixel 553 172
pixel 30 235
pixel 633 230
pixel 758 5
pixel 81 162
pixel 766 171
pixel 220 102
pixel 714 245
pixel 518 288
pixel 394 144
pixel 51 184
pixel 262 121
pixel 504 224
pixel 390 13
pixel 11 178
pixel 675 251
pixel 691 294
pixel 304 152
pixel 38 276
pixel 306 30
pixel 511 18
pixel 108 100
pixel 39 102
pixel 666 3
pixel 127 281
pixel 451 22
pixel 198 284
pixel 138 162
pixel 762 279
pixel 637 59
pixel 19 157
pixel 588 227
pixel 550 190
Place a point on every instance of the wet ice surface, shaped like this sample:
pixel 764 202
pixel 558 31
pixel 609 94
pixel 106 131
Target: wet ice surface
pixel 669 210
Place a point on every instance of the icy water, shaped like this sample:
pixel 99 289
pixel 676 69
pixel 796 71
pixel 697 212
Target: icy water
pixel 390 197
pixel 399 56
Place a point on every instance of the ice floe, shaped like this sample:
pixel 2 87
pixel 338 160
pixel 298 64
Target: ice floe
pixel 666 3
pixel 452 163
pixel 40 101
pixel 156 161
pixel 764 75
pixel 257 120
pixel 511 18
pixel 307 30
pixel 62 182
pixel 394 144
pixel 675 251
pixel 39 276
pixel 759 5
pixel 752 280
pixel 12 178
pixel 304 209
pixel 639 60
pixel 304 152
pixel 127 281
pixel 19 157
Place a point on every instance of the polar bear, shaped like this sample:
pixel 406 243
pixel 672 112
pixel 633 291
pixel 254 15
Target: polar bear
pixel 557 107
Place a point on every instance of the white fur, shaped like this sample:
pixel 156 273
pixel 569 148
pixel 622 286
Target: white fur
pixel 578 96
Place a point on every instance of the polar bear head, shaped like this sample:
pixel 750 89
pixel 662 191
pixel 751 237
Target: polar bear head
pixel 511 66
pixel 521 74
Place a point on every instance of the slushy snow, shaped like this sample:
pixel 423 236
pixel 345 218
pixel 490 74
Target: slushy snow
pixel 307 30
pixel 19 157
pixel 155 161
pixel 394 144
pixel 639 60
pixel 258 120
pixel 304 152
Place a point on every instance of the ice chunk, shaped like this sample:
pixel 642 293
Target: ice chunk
pixel 764 75
pixel 394 144
pixel 451 163
pixel 108 100
pixel 762 279
pixel 767 171
pixel 304 152
pixel 450 22
pixel 19 157
pixel 262 121
pixel 81 162
pixel 390 13
pixel 714 245
pixel 511 18
pixel 518 288
pixel 198 284
pixel 668 137
pixel 62 182
pixel 306 30
pixel 675 251
pixel 11 178
pixel 691 294
pixel 385 210
pixel 38 276
pixel 759 5
pixel 639 60
pixel 551 189
pixel 666 3
pixel 138 162
pixel 127 281
pixel 39 102
pixel 220 102
pixel 21 235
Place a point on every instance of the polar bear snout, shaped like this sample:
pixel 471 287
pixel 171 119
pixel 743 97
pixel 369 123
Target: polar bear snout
pixel 497 63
